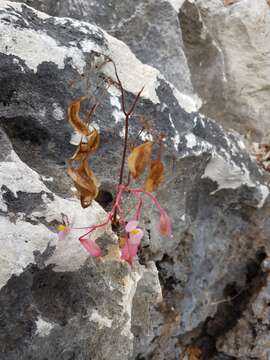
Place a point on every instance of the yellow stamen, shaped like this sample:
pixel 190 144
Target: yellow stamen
pixel 122 242
pixel 135 232
pixel 61 227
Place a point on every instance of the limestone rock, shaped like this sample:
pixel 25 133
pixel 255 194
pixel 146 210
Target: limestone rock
pixel 150 28
pixel 227 48
pixel 250 337
pixel 58 302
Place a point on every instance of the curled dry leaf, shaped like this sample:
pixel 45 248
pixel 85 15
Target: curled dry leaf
pixel 193 353
pixel 74 117
pixel 229 2
pixel 155 176
pixel 139 158
pixel 84 149
pixel 85 182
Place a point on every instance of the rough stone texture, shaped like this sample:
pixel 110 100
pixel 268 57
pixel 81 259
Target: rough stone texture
pixel 250 337
pixel 58 303
pixel 150 28
pixel 228 48
pixel 223 56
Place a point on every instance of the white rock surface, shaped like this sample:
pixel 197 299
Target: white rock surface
pixel 20 239
pixel 241 31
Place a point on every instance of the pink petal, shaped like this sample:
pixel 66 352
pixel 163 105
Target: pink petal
pixel 125 252
pixel 91 247
pixel 133 249
pixel 165 227
pixel 131 225
pixel 129 251
pixel 63 234
pixel 135 239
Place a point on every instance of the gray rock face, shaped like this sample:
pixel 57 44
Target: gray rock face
pixel 216 51
pixel 58 303
pixel 250 337
pixel 150 28
pixel 228 52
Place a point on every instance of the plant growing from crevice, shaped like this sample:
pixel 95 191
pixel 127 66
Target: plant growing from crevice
pixel 140 159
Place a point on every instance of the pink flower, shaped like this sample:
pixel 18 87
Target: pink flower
pixel 165 227
pixel 135 234
pixel 129 251
pixel 63 232
pixel 131 225
pixel 91 247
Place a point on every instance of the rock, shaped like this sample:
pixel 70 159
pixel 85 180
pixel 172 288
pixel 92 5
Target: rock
pixel 227 49
pixel 58 302
pixel 250 337
pixel 222 57
pixel 150 28
pixel 72 303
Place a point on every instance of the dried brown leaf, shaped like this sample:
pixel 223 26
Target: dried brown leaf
pixel 155 176
pixel 193 353
pixel 92 142
pixel 229 2
pixel 74 117
pixel 85 182
pixel 84 149
pixel 139 158
pixel 86 199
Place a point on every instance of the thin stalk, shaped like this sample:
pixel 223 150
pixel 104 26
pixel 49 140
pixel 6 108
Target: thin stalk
pixel 124 151
pixel 127 116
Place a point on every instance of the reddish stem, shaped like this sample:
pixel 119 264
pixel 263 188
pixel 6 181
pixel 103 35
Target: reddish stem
pixel 152 197
pixel 127 115
pixel 109 217
pixel 139 207
pixel 124 150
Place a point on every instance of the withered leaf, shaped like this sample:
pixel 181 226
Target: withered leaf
pixel 139 158
pixel 84 149
pixel 92 142
pixel 155 176
pixel 74 117
pixel 85 196
pixel 86 199
pixel 85 182
pixel 193 353
pixel 229 2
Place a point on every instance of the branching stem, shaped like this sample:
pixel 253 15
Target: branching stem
pixel 127 116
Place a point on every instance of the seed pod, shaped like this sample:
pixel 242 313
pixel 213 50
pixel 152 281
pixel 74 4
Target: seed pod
pixel 155 176
pixel 139 158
